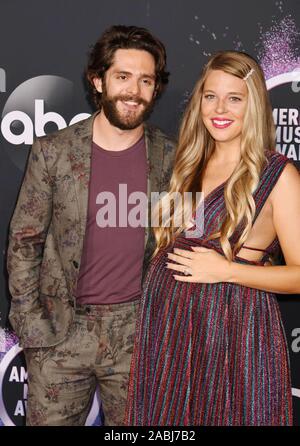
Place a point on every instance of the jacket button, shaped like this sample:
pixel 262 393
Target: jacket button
pixel 75 264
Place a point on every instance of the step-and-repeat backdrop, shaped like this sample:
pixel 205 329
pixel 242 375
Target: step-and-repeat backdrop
pixel 43 53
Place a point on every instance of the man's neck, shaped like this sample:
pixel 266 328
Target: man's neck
pixel 112 138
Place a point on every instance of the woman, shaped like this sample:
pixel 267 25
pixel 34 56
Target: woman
pixel 210 347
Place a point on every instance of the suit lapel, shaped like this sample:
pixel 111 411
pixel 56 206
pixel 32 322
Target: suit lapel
pixel 155 151
pixel 80 158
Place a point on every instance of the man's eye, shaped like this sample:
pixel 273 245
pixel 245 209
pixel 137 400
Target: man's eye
pixel 147 82
pixel 122 77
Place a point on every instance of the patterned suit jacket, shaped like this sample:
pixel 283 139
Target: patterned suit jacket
pixel 48 227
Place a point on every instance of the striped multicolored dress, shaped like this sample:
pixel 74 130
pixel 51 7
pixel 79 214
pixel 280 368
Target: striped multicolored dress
pixel 210 354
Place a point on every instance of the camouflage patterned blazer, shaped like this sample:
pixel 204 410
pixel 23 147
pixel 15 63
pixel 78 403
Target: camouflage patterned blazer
pixel 48 227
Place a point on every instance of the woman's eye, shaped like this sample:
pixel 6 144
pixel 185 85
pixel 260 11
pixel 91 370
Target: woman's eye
pixel 209 96
pixel 234 99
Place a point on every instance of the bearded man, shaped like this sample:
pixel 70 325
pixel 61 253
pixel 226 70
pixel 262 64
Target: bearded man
pixel 75 266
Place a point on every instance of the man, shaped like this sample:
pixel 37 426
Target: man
pixel 76 281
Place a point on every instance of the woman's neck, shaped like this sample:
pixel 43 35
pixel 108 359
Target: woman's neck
pixel 226 153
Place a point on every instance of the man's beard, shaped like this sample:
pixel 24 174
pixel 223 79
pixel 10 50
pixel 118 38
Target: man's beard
pixel 125 121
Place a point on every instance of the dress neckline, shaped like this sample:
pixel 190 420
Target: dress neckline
pixel 220 186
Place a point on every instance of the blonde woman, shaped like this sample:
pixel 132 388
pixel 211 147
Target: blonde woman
pixel 210 346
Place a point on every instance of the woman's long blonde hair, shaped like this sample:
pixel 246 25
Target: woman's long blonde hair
pixel 196 146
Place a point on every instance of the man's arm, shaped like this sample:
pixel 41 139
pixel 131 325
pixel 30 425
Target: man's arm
pixel 28 231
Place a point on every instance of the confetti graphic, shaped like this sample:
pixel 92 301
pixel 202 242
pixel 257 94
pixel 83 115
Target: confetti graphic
pixel 224 35
pixel 7 340
pixel 277 49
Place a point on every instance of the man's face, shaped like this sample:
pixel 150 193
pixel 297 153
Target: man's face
pixel 128 88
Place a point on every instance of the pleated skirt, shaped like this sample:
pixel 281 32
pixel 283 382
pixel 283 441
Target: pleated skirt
pixel 208 354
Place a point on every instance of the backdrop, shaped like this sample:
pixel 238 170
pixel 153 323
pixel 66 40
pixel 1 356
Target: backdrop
pixel 42 58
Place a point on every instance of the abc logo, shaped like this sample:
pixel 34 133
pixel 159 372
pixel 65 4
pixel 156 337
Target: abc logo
pixel 38 106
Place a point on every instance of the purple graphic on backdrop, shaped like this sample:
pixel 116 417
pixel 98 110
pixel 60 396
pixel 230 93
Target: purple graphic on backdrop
pixel 278 48
pixel 7 340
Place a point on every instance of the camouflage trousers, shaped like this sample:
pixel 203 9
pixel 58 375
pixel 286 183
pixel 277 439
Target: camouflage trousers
pixel 62 379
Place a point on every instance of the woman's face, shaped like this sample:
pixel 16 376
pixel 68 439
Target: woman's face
pixel 223 106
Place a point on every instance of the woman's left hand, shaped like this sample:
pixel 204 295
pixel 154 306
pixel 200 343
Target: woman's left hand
pixel 201 265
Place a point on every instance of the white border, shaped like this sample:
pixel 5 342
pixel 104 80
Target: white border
pixel 283 78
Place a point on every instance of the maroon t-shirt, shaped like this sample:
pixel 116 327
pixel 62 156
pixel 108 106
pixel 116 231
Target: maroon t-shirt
pixel 112 258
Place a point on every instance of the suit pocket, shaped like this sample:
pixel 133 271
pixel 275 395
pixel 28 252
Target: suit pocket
pixel 49 322
pixel 38 307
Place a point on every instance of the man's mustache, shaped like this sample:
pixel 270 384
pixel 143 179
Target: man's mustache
pixel 136 99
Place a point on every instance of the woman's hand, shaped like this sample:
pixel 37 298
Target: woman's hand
pixel 201 265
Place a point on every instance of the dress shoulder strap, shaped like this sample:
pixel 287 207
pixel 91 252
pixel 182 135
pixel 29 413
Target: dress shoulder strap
pixel 269 177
